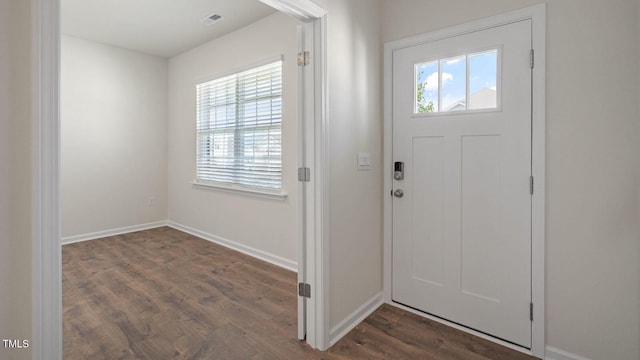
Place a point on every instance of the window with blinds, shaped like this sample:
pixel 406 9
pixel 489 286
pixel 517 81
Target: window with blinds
pixel 239 128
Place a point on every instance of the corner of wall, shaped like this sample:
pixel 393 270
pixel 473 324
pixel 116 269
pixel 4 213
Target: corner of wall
pixel 355 201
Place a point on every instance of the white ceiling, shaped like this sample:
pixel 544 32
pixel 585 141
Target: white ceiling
pixel 158 27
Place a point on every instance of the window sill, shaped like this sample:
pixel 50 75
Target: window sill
pixel 244 191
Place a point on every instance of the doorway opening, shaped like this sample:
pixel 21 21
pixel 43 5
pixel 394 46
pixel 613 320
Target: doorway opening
pixel 46 125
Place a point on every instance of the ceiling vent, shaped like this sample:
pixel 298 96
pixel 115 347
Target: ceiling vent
pixel 211 19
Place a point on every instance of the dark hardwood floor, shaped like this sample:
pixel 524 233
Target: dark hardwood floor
pixel 164 294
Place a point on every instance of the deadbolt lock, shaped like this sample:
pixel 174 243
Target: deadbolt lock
pixel 398 170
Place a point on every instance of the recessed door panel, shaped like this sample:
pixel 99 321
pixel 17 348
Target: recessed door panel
pixel 428 201
pixel 480 216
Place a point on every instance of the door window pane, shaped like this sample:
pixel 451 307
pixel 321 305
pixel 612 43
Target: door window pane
pixel 459 83
pixel 483 87
pixel 454 83
pixel 427 75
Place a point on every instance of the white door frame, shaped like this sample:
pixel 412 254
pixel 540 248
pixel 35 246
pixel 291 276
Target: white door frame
pixel 45 121
pixel 537 15
pixel 313 254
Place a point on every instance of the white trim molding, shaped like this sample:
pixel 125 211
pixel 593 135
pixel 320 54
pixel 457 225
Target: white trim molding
pixel 242 191
pixel 537 15
pixel 247 250
pixel 538 171
pixel 303 10
pixel 355 318
pixel 553 353
pixel 321 240
pixel 45 146
pixel 112 232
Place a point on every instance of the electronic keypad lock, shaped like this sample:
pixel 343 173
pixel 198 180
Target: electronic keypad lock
pixel 398 170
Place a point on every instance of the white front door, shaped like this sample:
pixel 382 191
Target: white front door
pixel 462 211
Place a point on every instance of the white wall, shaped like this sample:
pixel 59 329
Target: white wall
pixel 114 137
pixel 265 225
pixel 15 177
pixel 637 43
pixel 354 116
pixel 592 231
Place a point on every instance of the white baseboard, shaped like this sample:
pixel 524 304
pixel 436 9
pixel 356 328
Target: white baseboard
pixel 248 250
pixel 355 318
pixel 111 232
pixel 262 255
pixel 552 353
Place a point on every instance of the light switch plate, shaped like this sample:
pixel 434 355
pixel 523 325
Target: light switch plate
pixel 364 161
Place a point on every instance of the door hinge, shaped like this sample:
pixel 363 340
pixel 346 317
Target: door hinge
pixel 532 58
pixel 304 174
pixel 531 185
pixel 304 58
pixel 304 290
pixel 531 311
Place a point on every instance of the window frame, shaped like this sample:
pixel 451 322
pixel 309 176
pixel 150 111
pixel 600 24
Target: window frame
pixel 234 187
pixel 469 52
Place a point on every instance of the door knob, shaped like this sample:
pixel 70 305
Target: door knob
pixel 398 193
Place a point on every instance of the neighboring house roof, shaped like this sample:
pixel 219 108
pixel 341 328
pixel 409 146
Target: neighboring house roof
pixel 482 99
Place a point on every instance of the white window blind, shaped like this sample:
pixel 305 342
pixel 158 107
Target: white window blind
pixel 239 128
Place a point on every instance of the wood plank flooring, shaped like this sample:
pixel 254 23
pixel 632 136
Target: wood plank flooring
pixel 164 294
